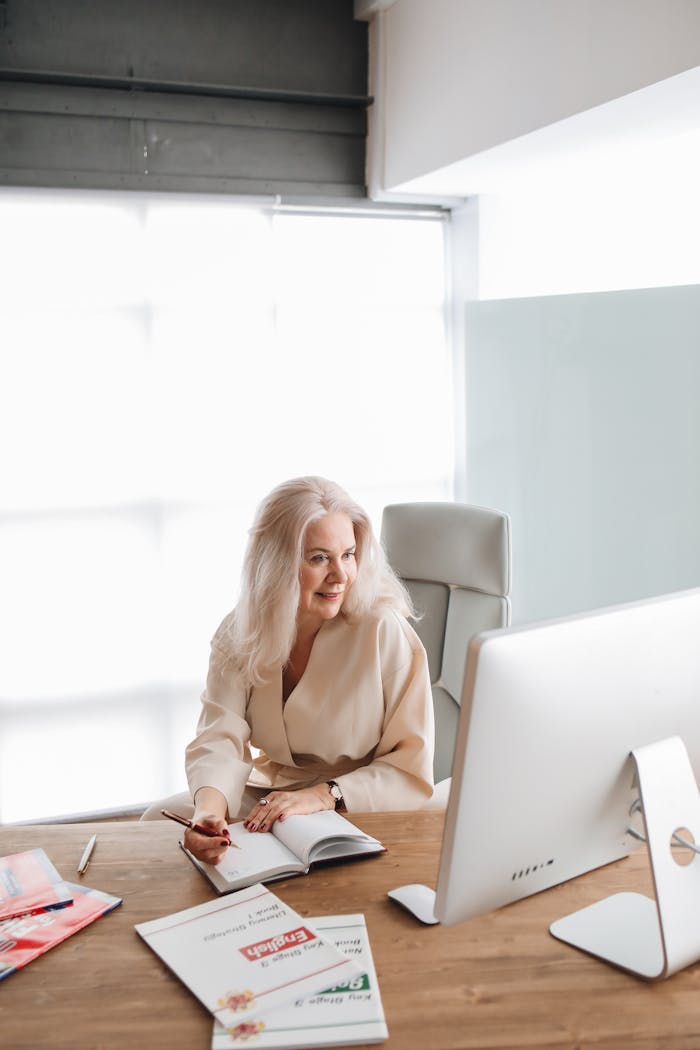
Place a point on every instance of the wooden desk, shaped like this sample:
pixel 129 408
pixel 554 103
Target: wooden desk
pixel 500 981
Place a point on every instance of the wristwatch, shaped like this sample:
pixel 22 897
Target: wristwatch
pixel 335 792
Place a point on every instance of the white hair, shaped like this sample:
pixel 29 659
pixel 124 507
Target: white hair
pixel 261 632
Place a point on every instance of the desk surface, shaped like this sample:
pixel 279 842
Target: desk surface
pixel 500 981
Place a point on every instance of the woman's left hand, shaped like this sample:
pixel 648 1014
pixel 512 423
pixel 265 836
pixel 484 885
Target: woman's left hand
pixel 278 805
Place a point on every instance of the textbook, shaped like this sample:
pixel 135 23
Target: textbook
pixel 292 847
pixel 246 954
pixel 25 937
pixel 343 1014
pixel 30 883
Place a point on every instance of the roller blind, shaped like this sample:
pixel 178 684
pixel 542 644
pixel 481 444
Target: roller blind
pixel 235 96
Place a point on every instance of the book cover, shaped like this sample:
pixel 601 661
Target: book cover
pixel 25 937
pixel 30 883
pixel 246 954
pixel 341 1015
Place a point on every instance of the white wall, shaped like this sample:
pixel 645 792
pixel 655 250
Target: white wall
pixel 635 225
pixel 463 76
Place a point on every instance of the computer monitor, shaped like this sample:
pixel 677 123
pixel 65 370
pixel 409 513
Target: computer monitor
pixel 542 784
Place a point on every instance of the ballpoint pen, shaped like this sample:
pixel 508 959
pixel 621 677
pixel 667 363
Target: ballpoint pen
pixel 198 828
pixel 87 853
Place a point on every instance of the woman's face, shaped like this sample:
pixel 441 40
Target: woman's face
pixel 328 569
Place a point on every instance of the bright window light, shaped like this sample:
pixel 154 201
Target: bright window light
pixel 621 219
pixel 164 362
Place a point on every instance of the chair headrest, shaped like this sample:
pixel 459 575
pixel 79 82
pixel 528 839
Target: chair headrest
pixel 452 543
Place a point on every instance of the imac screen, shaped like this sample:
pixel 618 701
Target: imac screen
pixel 542 786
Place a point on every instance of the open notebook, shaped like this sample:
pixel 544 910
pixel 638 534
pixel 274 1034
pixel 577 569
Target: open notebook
pixel 291 848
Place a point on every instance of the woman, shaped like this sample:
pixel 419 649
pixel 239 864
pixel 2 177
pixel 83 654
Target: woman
pixel 317 667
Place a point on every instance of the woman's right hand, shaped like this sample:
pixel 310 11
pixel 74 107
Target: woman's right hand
pixel 203 847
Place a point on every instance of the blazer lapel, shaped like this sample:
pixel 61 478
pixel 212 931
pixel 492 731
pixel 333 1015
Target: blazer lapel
pixel 268 718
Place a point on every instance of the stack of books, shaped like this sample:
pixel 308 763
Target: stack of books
pixel 271 978
pixel 39 910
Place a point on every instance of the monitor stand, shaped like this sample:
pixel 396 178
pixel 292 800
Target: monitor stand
pixel 652 938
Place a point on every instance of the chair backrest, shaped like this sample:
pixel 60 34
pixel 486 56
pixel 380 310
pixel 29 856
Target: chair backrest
pixel 455 560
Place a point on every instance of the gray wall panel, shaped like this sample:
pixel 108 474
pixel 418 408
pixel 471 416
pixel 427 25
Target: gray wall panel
pixel 583 425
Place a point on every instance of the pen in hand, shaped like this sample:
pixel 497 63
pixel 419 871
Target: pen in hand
pixel 198 828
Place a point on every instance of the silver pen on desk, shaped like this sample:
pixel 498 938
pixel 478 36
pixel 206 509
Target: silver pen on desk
pixel 87 853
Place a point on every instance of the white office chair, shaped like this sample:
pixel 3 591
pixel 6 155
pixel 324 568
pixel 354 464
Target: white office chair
pixel 455 560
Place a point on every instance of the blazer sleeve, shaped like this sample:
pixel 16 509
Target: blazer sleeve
pixel 400 775
pixel 219 756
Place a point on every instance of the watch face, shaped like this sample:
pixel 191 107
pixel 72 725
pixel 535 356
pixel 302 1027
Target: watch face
pixel 335 792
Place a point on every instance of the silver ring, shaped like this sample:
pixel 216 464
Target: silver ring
pixel 264 802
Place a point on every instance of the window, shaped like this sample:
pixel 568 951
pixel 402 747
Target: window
pixel 165 361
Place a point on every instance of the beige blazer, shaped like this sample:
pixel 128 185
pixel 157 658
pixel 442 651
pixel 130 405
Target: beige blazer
pixel 361 714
